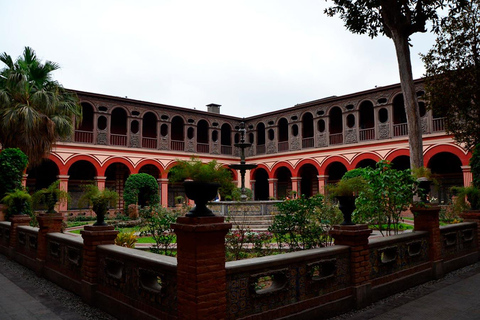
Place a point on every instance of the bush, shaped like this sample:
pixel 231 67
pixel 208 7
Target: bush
pixel 475 166
pixel 304 223
pixel 142 189
pixel 126 239
pixel 237 194
pixel 388 193
pixel 13 163
pixel 157 221
pixel 18 202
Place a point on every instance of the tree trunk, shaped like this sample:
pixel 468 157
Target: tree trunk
pixel 410 99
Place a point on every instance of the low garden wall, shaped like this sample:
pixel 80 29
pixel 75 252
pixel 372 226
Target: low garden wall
pixel 235 208
pixel 316 283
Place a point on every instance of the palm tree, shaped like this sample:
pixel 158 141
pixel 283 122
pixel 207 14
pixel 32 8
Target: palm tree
pixel 35 111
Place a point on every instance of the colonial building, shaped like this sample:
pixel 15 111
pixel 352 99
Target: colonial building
pixel 301 148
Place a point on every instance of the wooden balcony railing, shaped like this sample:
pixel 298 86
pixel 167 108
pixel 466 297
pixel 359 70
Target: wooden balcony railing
pixel 307 143
pixel 367 134
pixel 226 149
pixel 438 124
pixel 83 136
pixel 177 145
pixel 400 129
pixel 203 148
pixel 283 146
pixel 336 138
pixel 118 139
pixel 150 143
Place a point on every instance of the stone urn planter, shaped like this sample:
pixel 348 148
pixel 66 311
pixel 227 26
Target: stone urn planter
pixel 201 193
pixel 346 204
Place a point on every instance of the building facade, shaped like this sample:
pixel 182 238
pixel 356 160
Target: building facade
pixel 298 149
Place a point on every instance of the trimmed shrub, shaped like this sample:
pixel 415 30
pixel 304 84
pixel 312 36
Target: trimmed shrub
pixel 475 166
pixel 142 189
pixel 13 163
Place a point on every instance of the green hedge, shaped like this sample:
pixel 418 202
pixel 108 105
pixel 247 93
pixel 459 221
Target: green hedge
pixel 13 163
pixel 141 188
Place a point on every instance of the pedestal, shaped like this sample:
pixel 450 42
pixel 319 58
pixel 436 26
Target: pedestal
pixel 201 275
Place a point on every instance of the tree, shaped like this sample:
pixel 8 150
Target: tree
pixel 35 110
pixel 398 20
pixel 453 72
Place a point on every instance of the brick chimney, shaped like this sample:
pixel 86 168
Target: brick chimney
pixel 213 108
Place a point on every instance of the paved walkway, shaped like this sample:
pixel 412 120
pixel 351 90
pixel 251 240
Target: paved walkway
pixel 24 296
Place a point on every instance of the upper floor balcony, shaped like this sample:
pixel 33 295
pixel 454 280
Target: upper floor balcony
pixel 319 124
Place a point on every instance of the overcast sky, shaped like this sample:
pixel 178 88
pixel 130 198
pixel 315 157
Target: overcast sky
pixel 250 56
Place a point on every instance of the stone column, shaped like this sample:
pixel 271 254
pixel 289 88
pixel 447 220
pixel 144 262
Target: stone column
pixel 272 188
pixel 100 181
pixel 427 219
pixel 63 206
pixel 164 191
pixel 24 180
pixel 93 236
pixel 16 221
pixel 296 185
pixel 467 176
pixel 201 275
pixel 322 182
pixel 252 187
pixel 356 237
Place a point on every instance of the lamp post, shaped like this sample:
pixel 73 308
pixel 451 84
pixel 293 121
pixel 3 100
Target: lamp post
pixel 243 167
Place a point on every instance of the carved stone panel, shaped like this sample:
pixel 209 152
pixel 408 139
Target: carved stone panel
pixel 164 143
pixel 321 140
pixel 271 147
pixel 383 131
pixel 424 124
pixel 215 148
pixel 351 136
pixel 295 145
pixel 134 141
pixel 190 146
pixel 102 138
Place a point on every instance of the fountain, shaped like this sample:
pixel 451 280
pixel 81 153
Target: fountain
pixel 243 167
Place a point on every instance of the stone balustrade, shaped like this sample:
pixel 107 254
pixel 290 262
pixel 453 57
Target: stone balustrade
pixel 199 284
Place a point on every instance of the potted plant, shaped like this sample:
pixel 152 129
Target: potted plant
pixel 424 179
pixel 49 197
pixel 346 191
pixel 19 202
pixel 464 194
pixel 201 182
pixel 179 201
pixel 99 200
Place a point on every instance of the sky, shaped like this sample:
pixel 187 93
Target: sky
pixel 250 56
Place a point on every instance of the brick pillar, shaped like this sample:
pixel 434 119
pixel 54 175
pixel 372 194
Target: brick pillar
pixel 426 219
pixel 201 284
pixel 356 237
pixel 48 223
pixel 93 236
pixel 63 205
pixel 272 188
pixel 16 221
